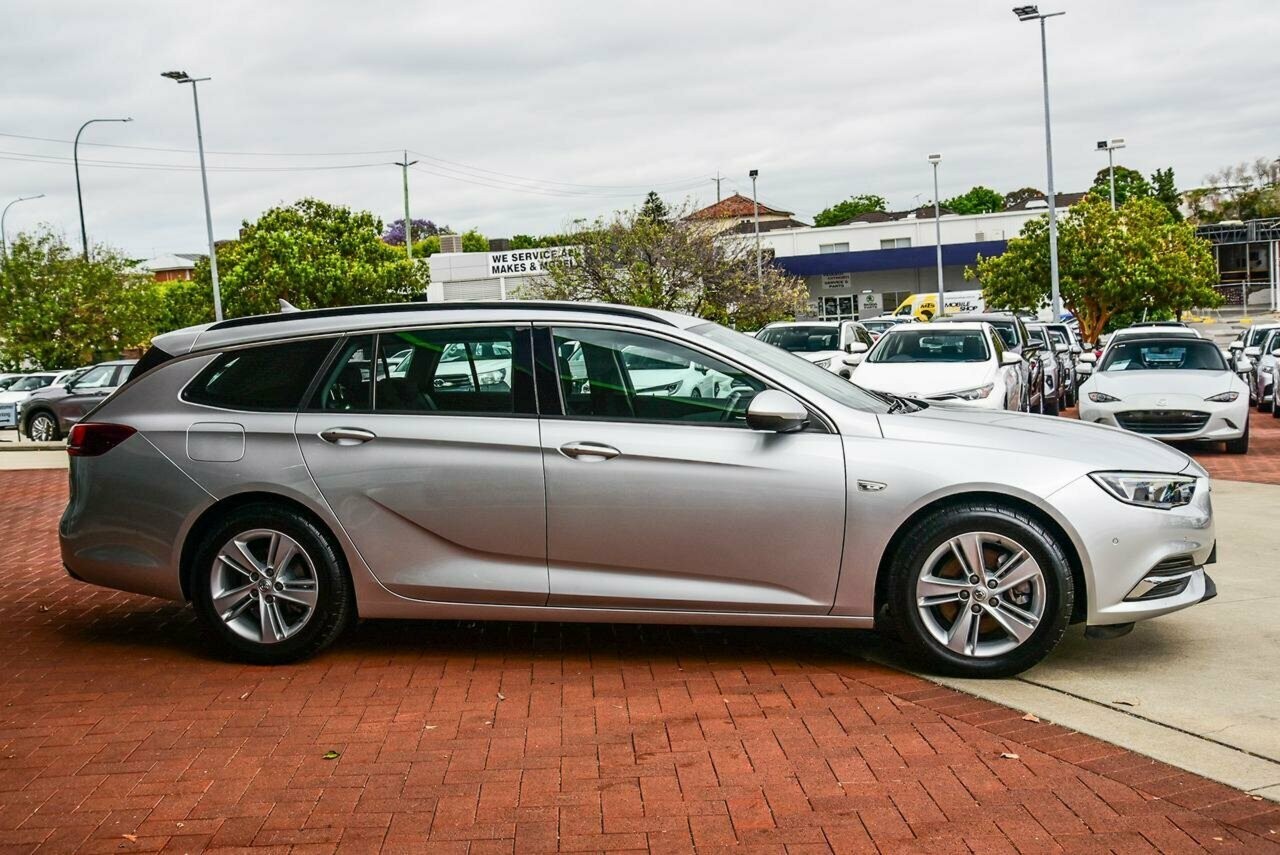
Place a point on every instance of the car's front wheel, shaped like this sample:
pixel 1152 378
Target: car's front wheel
pixel 980 590
pixel 270 585
pixel 1241 444
pixel 43 427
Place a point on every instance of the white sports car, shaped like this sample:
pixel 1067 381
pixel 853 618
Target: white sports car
pixel 1170 387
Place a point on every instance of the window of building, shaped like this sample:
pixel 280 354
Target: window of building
pixel 827 248
pixel 272 378
pixel 895 243
pixel 630 377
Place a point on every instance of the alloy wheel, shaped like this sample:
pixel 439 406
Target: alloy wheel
pixel 981 594
pixel 42 428
pixel 264 585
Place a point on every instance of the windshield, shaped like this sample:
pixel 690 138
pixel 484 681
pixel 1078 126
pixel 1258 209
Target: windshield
pixel 1256 336
pixel 796 368
pixel 879 326
pixel 808 339
pixel 35 381
pixel 1195 355
pixel 931 345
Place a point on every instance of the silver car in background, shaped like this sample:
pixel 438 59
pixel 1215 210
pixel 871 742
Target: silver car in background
pixel 288 473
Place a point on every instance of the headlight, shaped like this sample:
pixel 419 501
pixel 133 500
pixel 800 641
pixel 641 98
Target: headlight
pixel 823 363
pixel 1224 398
pixel 1147 490
pixel 975 394
pixel 493 378
pixel 1102 398
pixel 668 389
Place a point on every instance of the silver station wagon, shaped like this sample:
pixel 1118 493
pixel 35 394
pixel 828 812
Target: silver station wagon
pixel 573 462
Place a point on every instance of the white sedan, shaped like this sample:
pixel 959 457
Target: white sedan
pixel 824 343
pixel 1169 387
pixel 962 363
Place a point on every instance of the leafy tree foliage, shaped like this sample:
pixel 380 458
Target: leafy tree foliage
pixel 1165 191
pixel 654 209
pixel 540 242
pixel 1014 198
pixel 58 310
pixel 1248 191
pixel 848 209
pixel 1130 184
pixel 678 265
pixel 312 254
pixel 1110 262
pixel 473 241
pixel 394 234
pixel 979 200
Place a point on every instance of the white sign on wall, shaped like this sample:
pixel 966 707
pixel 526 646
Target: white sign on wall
pixel 521 262
pixel 870 305
pixel 837 280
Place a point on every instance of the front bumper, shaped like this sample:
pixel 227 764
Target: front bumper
pixel 1122 547
pixel 1223 420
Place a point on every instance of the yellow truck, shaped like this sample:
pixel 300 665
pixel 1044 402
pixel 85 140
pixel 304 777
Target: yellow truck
pixel 923 307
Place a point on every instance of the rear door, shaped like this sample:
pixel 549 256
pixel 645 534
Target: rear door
pixel 660 498
pixel 425 444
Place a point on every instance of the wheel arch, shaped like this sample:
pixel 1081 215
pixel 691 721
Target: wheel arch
pixel 1080 609
pixel 211 515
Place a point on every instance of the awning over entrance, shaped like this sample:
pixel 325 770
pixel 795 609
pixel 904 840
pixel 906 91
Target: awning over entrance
pixel 887 259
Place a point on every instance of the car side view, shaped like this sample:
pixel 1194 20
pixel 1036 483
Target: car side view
pixel 287 474
pixel 48 414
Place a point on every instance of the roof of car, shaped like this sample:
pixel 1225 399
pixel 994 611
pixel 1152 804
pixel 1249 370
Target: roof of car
pixel 283 325
pixel 951 325
pixel 779 324
pixel 1185 332
pixel 978 316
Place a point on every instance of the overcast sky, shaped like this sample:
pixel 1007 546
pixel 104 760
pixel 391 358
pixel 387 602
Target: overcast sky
pixel 525 116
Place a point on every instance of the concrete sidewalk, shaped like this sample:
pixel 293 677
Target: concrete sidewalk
pixel 1199 689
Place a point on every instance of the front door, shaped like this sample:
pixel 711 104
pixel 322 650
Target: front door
pixel 425 445
pixel 89 391
pixel 660 497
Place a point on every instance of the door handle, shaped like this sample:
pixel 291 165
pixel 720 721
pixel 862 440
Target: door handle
pixel 589 452
pixel 347 436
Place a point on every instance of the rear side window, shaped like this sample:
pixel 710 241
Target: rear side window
pixel 272 377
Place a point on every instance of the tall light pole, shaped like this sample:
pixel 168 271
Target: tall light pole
pixel 408 223
pixel 4 246
pixel 75 156
pixel 1110 148
pixel 935 159
pixel 755 203
pixel 1033 13
pixel 183 77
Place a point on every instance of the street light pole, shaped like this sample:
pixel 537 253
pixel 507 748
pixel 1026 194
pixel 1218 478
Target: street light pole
pixel 755 203
pixel 1033 13
pixel 1111 164
pixel 75 157
pixel 4 246
pixel 183 77
pixel 408 223
pixel 935 159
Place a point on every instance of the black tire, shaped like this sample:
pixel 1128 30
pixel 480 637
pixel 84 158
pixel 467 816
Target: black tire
pixel 45 424
pixel 1275 412
pixel 1052 408
pixel 335 605
pixel 1265 406
pixel 931 534
pixel 1241 445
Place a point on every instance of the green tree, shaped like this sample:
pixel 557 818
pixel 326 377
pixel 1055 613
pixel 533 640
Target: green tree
pixel 58 310
pixel 654 209
pixel 979 200
pixel 1248 191
pixel 678 265
pixel 1130 184
pixel 314 255
pixel 473 241
pixel 848 209
pixel 540 242
pixel 1110 262
pixel 1016 197
pixel 1165 191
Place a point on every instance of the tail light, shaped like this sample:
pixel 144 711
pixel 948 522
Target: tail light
pixel 93 439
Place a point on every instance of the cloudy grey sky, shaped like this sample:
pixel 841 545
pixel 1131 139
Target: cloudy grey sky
pixel 525 116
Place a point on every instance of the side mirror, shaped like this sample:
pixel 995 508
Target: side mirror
pixel 776 411
pixel 1076 349
pixel 1235 345
pixel 853 359
pixel 1010 358
pixel 1084 368
pixel 1061 348
pixel 1253 352
pixel 1243 366
pixel 1088 358
pixel 1276 352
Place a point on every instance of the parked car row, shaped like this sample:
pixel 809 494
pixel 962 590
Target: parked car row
pixel 45 404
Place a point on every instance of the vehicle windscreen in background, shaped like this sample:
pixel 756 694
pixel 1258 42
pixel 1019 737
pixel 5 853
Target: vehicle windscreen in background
pixel 1036 337
pixel 1177 354
pixel 931 345
pixel 28 384
pixel 796 368
pixel 1256 336
pixel 1057 337
pixel 802 339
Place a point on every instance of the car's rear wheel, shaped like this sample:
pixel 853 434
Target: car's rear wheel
pixel 980 590
pixel 270 585
pixel 43 427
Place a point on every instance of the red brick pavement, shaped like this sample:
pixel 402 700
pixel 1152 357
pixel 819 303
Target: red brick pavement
pixel 119 733
pixel 1261 464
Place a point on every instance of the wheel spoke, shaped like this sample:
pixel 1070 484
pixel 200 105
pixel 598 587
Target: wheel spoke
pixel 1021 614
pixel 967 549
pixel 1011 563
pixel 962 637
pixel 1017 623
pixel 282 552
pixel 300 591
pixel 1026 571
pixel 272 625
pixel 232 602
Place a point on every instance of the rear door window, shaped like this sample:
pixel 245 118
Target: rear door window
pixel 479 370
pixel 271 378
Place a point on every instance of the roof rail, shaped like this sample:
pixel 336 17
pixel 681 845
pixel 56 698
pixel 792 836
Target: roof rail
pixel 418 306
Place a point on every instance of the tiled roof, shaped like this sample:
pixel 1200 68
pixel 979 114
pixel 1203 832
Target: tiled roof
pixel 734 207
